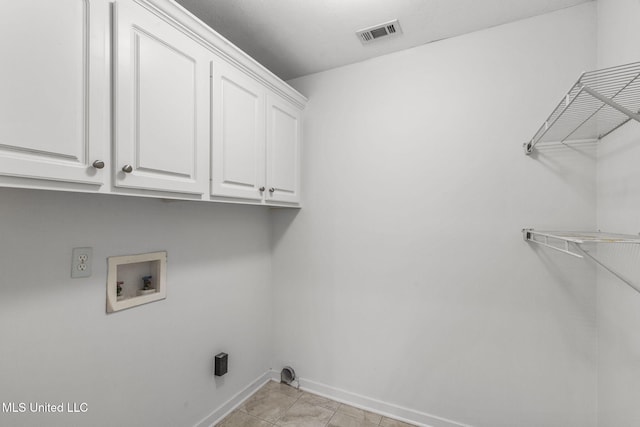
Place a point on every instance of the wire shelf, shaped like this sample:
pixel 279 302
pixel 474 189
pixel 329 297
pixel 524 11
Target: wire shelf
pixel 587 237
pixel 570 243
pixel 597 104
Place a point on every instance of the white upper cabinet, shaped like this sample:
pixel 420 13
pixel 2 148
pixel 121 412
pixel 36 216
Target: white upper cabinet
pixel 256 140
pixel 140 97
pixel 161 104
pixel 284 133
pixel 238 126
pixel 54 80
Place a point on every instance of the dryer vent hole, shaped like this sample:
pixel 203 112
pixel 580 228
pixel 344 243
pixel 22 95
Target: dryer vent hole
pixel 288 375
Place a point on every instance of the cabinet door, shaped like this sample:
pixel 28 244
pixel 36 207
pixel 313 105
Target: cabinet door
pixel 284 133
pixel 53 84
pixel 161 104
pixel 238 124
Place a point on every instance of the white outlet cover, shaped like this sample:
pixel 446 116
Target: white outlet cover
pixel 81 259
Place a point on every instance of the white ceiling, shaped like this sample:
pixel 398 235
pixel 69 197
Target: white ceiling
pixel 293 38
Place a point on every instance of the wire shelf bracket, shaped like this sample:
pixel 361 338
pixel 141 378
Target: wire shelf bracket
pixel 570 243
pixel 598 103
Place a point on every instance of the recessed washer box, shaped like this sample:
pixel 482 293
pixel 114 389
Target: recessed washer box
pixel 134 280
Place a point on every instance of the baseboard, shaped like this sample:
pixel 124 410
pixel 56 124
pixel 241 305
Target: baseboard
pixel 237 400
pixel 373 405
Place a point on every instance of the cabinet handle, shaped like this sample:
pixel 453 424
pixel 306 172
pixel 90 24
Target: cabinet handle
pixel 271 190
pixel 127 169
pixel 261 189
pixel 98 164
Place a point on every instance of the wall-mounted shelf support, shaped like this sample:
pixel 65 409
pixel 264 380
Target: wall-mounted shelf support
pixel 597 104
pixel 611 103
pixel 570 243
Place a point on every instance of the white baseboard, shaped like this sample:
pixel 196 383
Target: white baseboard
pixel 373 405
pixel 363 402
pixel 237 400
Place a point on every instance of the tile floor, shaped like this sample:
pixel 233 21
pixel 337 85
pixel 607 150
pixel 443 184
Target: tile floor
pixel 277 404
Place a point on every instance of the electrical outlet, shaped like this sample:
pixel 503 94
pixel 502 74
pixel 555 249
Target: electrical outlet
pixel 81 259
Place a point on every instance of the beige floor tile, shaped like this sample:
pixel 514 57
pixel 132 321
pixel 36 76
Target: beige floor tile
pixel 285 406
pixel 269 406
pixel 388 422
pixel 316 400
pixel 303 414
pixel 281 388
pixel 360 414
pixel 340 419
pixel 240 419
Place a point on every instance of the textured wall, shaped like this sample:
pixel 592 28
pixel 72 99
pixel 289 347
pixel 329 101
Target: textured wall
pixel 405 278
pixel 619 211
pixel 149 365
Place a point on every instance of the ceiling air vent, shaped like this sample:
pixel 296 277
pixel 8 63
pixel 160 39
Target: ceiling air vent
pixel 386 30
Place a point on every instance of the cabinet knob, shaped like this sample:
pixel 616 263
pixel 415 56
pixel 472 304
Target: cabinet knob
pixel 271 190
pixel 261 189
pixel 98 164
pixel 127 169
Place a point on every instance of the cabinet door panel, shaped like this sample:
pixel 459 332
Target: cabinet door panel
pixel 165 75
pixel 283 150
pixel 239 133
pixel 161 105
pixel 46 89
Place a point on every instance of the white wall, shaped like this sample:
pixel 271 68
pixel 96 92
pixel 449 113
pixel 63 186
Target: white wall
pixel 618 211
pixel 149 365
pixel 405 278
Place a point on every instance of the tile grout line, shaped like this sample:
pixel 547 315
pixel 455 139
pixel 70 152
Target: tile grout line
pixel 287 410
